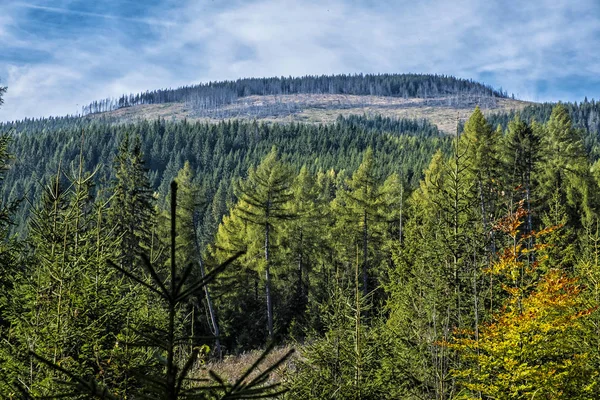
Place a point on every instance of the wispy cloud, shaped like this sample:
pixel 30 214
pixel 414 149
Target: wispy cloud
pixel 67 11
pixel 58 54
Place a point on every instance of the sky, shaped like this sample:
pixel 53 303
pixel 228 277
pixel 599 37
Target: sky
pixel 56 56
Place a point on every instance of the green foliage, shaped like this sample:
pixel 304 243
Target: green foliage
pixel 67 306
pixel 131 204
pixel 207 96
pixel 565 169
pixel 335 206
pixel 262 205
pixel 218 153
pixel 532 347
pixel 345 362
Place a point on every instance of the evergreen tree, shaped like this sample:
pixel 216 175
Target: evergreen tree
pixel 564 169
pixel 532 346
pixel 481 144
pixel 131 206
pixel 359 208
pixel 69 308
pixel 264 197
pixel 304 239
pixel 345 363
pixel 520 154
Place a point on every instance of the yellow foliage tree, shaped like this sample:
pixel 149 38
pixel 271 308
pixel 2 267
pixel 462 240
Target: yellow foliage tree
pixel 531 348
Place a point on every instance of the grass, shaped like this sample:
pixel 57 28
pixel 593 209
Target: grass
pixel 232 368
pixel 318 109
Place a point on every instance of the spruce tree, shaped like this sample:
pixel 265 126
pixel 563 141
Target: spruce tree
pixel 263 201
pixel 171 379
pixel 304 240
pixel 564 169
pixel 68 308
pixel 131 206
pixel 481 144
pixel 360 208
pixel 520 154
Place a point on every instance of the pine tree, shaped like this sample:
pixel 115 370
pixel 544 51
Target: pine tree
pixel 360 208
pixel 263 201
pixel 131 206
pixel 564 169
pixel 520 154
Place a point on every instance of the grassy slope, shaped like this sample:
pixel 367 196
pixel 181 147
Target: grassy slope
pixel 315 108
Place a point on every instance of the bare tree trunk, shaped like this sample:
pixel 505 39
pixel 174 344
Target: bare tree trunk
pixel 211 310
pixel 365 254
pixel 268 284
pixel 212 313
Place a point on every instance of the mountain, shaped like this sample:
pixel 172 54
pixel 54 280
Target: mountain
pixel 314 99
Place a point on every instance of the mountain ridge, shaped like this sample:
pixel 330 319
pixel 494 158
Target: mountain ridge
pixel 324 109
pixel 217 93
pixel 441 99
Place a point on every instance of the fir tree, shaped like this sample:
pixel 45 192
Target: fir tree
pixel 131 207
pixel 263 201
pixel 359 208
pixel 564 169
pixel 520 155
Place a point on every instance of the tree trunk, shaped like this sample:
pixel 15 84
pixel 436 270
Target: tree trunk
pixel 268 284
pixel 300 288
pixel 401 210
pixel 171 367
pixel 212 314
pixel 365 254
pixel 211 310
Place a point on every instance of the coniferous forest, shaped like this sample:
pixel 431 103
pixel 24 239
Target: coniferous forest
pixel 395 261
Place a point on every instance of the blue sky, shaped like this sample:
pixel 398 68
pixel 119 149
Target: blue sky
pixel 58 55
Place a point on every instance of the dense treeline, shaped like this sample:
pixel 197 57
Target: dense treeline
pixel 216 152
pixel 214 94
pixel 585 116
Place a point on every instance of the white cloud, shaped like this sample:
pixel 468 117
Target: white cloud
pixel 504 43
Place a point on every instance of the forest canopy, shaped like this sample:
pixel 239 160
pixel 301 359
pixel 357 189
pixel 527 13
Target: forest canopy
pixel 398 262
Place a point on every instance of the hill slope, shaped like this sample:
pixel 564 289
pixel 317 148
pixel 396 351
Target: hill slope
pixel 314 99
pixel 325 108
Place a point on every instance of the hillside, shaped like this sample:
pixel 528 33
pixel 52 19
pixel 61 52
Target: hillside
pixel 214 94
pixel 314 99
pixel 325 108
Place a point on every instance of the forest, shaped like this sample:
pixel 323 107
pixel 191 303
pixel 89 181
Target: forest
pixel 397 262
